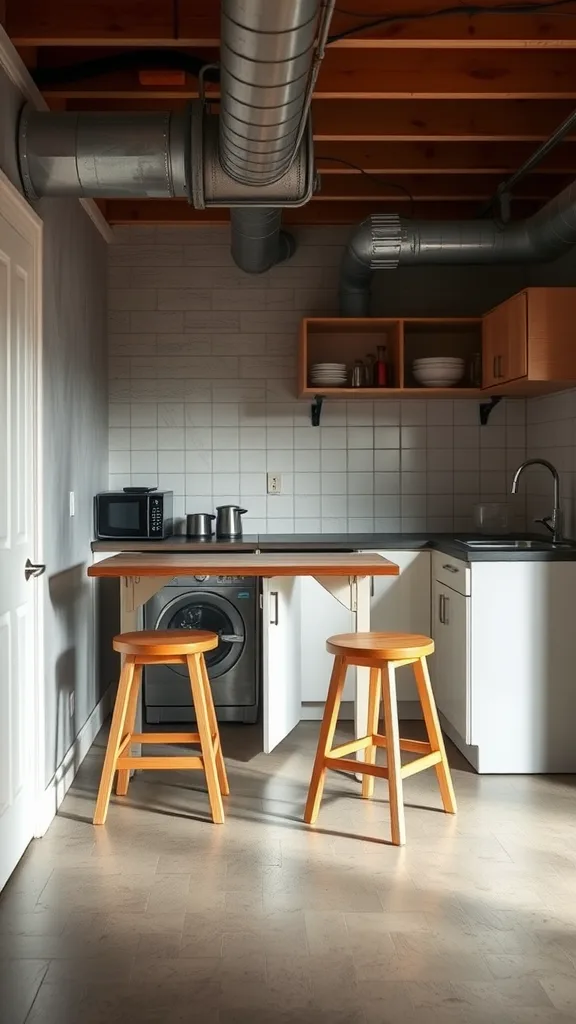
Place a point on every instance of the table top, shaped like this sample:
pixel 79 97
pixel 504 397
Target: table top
pixel 226 563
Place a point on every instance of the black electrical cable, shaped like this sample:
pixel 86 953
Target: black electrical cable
pixel 468 10
pixel 130 60
pixel 374 177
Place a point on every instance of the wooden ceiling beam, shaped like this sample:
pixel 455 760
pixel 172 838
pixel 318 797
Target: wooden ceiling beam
pixel 430 121
pixel 402 75
pixel 431 188
pixel 188 23
pixel 174 211
pixel 434 158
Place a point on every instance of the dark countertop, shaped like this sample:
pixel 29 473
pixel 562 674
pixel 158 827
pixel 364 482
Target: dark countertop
pixel 445 542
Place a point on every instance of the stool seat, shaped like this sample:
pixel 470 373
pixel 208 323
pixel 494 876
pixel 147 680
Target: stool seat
pixel 157 643
pixel 382 653
pixel 380 646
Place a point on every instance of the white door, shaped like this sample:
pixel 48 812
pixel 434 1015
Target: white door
pixel 401 604
pixel 450 665
pixel 281 686
pixel 19 341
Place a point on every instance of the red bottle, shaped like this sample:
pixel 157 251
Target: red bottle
pixel 381 367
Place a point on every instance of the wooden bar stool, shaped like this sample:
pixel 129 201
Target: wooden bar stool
pixel 383 653
pixel 163 647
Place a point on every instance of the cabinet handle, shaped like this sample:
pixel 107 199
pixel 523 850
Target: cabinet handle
pixel 274 595
pixel 371 586
pixel 495 367
pixel 441 608
pixel 446 620
pixel 450 568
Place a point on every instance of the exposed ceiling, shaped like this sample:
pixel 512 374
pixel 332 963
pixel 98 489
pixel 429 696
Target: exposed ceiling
pixel 436 110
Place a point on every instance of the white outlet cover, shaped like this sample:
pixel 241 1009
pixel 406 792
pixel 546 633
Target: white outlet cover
pixel 274 481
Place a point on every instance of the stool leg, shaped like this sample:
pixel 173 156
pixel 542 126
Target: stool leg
pixel 373 717
pixel 434 731
pixel 220 766
pixel 123 778
pixel 392 730
pixel 199 697
pixel 114 740
pixel 325 739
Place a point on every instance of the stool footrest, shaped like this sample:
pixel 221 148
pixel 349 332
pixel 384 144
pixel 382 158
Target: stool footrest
pixel 410 746
pixel 420 764
pixel 344 764
pixel 160 763
pixel 352 746
pixel 165 737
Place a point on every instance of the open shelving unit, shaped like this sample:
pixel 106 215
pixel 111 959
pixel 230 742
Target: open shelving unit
pixel 334 339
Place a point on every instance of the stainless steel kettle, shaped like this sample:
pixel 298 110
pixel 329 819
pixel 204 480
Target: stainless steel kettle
pixel 228 522
pixel 199 525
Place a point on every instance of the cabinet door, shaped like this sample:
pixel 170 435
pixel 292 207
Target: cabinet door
pixel 281 698
pixel 401 604
pixel 450 666
pixel 321 616
pixel 505 342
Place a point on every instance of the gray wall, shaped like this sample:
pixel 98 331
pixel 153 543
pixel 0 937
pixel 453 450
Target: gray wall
pixel 75 443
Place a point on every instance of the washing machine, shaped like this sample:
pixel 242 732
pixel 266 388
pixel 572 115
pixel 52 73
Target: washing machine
pixel 227 605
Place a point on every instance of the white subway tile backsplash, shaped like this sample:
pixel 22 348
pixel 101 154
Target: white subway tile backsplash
pixel 144 462
pixel 203 399
pixel 171 462
pixel 360 437
pixel 333 483
pixel 143 439
pixel 170 438
pixel 387 437
pixel 307 461
pixel 226 462
pixel 333 460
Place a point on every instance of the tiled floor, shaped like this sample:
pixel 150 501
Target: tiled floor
pixel 161 916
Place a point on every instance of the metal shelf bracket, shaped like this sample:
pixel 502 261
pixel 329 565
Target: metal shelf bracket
pixel 316 410
pixel 485 408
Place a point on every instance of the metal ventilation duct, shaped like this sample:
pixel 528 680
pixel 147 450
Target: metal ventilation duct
pixel 267 53
pixel 390 241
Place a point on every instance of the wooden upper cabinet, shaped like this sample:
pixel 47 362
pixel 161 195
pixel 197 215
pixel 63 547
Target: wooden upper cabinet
pixel 505 342
pixel 528 342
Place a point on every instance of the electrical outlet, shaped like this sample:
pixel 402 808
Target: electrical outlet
pixel 274 483
pixel 71 704
pixel 72 503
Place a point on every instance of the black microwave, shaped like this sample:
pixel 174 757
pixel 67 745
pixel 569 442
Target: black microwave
pixel 136 513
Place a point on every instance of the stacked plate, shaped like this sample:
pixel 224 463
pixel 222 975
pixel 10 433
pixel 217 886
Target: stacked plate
pixel 329 375
pixel 439 371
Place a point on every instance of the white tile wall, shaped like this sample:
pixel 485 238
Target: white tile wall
pixel 202 386
pixel 551 434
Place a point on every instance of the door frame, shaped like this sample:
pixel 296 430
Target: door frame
pixel 20 215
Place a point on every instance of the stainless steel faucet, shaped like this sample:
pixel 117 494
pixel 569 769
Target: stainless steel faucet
pixel 553 522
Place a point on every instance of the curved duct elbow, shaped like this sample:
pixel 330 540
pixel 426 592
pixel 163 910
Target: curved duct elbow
pixel 543 237
pixel 258 244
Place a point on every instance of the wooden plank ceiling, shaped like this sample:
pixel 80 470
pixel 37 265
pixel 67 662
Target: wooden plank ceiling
pixel 415 111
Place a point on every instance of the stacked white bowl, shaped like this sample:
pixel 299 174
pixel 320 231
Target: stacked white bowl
pixel 329 375
pixel 438 371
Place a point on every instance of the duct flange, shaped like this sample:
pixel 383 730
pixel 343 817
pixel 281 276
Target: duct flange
pixel 213 186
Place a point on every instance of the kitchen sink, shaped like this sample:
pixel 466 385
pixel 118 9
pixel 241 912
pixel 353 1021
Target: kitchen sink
pixel 509 544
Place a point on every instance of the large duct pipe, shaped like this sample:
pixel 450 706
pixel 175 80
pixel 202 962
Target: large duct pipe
pixel 267 52
pixel 103 155
pixel 387 241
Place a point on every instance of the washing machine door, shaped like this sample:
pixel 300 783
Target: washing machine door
pixel 200 609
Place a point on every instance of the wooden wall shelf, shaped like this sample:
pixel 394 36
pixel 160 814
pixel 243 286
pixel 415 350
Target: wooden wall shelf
pixel 525 346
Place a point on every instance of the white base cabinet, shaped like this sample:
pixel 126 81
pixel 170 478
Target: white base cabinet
pixel 502 672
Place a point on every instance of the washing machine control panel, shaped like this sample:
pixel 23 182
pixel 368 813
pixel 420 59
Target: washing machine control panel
pixel 201 579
